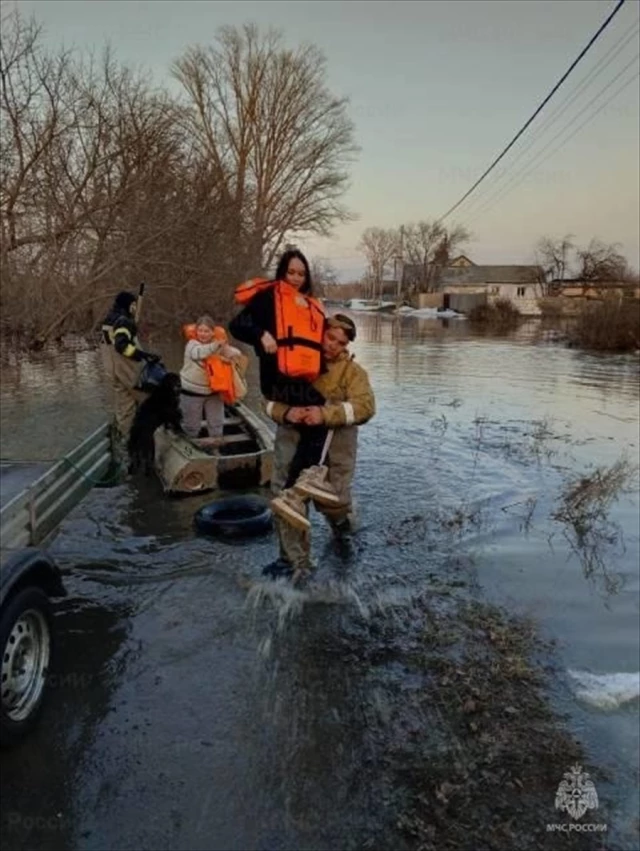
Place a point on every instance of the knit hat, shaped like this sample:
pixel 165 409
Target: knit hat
pixel 124 300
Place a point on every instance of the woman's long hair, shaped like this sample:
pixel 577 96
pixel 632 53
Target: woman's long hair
pixel 283 266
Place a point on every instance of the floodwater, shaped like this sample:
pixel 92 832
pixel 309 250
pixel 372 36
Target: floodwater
pixel 197 707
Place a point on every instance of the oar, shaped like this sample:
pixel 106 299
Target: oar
pixel 139 303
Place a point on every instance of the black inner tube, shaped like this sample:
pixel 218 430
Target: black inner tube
pixel 237 516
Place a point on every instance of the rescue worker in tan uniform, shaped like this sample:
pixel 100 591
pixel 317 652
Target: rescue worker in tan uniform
pixel 350 402
pixel 123 360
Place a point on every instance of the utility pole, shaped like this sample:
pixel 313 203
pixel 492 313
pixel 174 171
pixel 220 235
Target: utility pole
pixel 400 271
pixel 396 276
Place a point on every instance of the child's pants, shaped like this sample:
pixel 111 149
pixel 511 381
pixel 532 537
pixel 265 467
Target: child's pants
pixel 295 544
pixel 308 451
pixel 196 408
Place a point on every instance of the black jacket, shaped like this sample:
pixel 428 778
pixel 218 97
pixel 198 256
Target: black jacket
pixel 120 320
pixel 256 317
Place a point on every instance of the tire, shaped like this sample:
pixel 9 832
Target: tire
pixel 235 517
pixel 26 641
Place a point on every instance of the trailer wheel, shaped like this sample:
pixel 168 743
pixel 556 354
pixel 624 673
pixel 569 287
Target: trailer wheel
pixel 235 517
pixel 26 642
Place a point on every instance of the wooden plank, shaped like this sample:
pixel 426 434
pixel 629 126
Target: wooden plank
pixel 228 421
pixel 237 438
pixel 207 441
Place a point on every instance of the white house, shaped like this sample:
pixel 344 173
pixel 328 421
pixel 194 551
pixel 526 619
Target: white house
pixel 520 285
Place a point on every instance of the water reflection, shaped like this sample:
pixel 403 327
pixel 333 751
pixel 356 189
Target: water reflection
pixel 458 477
pixel 58 392
pixel 455 409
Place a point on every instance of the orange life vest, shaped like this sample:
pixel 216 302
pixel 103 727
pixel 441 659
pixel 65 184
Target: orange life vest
pixel 219 333
pixel 245 292
pixel 219 371
pixel 299 326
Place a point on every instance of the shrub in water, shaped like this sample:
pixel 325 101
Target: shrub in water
pixel 501 314
pixel 612 325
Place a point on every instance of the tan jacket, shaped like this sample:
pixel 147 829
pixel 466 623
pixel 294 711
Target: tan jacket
pixel 346 387
pixel 193 375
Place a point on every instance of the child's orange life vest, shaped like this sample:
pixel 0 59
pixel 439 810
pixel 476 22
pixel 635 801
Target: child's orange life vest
pixel 299 326
pixel 219 371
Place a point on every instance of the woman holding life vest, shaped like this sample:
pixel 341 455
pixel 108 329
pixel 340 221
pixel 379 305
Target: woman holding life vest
pixel 285 324
pixel 206 377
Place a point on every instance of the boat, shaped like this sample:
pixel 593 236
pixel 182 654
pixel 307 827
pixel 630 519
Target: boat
pixel 243 457
pixel 35 498
pixel 371 305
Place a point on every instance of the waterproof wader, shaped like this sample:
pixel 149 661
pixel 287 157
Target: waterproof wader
pixel 122 374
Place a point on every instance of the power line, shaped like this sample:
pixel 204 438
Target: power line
pixel 559 133
pixel 539 109
pixel 507 189
pixel 572 97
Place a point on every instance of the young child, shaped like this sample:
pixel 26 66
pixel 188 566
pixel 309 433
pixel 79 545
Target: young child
pixel 197 400
pixel 285 324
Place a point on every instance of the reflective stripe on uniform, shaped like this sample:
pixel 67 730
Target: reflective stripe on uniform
pixel 349 413
pixel 130 348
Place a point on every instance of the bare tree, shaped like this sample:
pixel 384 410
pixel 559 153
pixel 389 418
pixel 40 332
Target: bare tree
pixel 278 139
pixel 561 259
pixel 601 262
pixel 553 256
pixel 323 275
pixel 379 246
pixel 102 187
pixel 429 246
pixel 106 181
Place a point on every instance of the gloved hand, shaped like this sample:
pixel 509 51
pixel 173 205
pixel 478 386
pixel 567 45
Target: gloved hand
pixel 150 358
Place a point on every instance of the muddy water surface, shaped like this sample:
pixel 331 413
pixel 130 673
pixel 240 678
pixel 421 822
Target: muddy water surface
pixel 199 708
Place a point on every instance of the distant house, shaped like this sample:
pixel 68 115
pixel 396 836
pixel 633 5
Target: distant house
pixel 575 288
pixel 472 284
pixel 460 262
pixel 521 285
pixel 415 278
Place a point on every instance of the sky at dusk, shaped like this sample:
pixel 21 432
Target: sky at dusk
pixel 436 90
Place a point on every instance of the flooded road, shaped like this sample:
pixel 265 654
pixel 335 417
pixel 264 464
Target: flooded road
pixel 197 707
